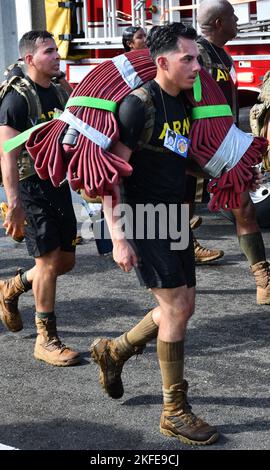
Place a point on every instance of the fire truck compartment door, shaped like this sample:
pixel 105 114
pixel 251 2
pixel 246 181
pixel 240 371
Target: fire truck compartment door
pixel 58 21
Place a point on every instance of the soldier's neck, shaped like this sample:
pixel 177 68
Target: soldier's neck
pixel 214 39
pixel 167 86
pixel 40 79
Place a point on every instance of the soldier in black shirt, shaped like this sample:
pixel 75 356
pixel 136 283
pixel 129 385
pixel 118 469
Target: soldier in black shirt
pixel 50 229
pixel 154 178
pixel 218 24
pixel 158 180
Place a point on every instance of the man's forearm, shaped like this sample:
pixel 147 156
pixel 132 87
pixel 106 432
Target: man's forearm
pixel 10 177
pixel 10 173
pixel 112 218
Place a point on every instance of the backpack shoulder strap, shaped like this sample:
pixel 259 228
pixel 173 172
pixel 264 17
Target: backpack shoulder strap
pixel 144 95
pixel 205 57
pixel 207 61
pixel 17 68
pixel 62 95
pixel 25 89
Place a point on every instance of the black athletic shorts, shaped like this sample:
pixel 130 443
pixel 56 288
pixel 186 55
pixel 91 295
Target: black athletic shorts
pixel 160 266
pixel 196 189
pixel 51 222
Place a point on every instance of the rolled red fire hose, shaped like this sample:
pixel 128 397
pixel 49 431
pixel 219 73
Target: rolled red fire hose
pixel 92 166
pixel 86 164
pixel 208 134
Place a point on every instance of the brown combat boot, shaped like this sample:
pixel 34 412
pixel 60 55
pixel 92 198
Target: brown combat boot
pixel 10 290
pixel 177 419
pixel 49 347
pixel 106 354
pixel 261 273
pixel 204 255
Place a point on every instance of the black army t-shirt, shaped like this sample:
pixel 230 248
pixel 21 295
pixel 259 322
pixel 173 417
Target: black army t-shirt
pixel 220 74
pixel 157 176
pixel 14 108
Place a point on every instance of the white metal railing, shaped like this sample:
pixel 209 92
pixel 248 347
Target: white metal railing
pixel 259 27
pixel 108 31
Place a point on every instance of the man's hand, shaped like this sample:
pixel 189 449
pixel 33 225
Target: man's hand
pixel 257 179
pixel 124 255
pixel 61 78
pixel 13 214
pixel 15 222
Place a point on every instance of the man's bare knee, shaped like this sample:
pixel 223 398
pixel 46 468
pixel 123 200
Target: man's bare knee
pixel 57 262
pixel 180 312
pixel 66 264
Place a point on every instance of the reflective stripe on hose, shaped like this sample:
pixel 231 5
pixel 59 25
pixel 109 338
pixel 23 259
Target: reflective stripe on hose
pixel 230 152
pixel 127 71
pixel 88 131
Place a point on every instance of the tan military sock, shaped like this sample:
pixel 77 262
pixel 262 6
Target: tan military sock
pixel 144 331
pixel 139 335
pixel 171 362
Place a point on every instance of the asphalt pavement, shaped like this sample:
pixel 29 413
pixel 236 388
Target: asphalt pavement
pixel 227 356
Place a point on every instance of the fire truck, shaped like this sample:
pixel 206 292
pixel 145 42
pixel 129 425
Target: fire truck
pixel 96 28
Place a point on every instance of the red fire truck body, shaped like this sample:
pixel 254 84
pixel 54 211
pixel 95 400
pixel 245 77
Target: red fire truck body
pixel 104 21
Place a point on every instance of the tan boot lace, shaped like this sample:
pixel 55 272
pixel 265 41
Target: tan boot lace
pixel 184 411
pixel 201 251
pixel 56 343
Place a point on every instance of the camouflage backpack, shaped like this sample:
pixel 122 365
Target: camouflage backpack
pixel 260 116
pixel 16 80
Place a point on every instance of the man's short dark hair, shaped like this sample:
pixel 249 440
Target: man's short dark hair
pixel 28 42
pixel 162 39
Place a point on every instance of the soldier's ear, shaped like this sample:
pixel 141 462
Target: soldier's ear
pixel 28 59
pixel 162 62
pixel 218 23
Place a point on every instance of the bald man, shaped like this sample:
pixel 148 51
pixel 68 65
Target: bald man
pixel 218 24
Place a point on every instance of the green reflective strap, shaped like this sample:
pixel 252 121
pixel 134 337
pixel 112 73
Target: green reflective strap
pixel 86 101
pixel 217 110
pixel 90 102
pixel 20 139
pixel 197 89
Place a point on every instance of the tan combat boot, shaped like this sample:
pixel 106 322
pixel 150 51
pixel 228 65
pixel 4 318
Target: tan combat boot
pixel 49 347
pixel 204 255
pixel 177 419
pixel 106 354
pixel 261 273
pixel 10 290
